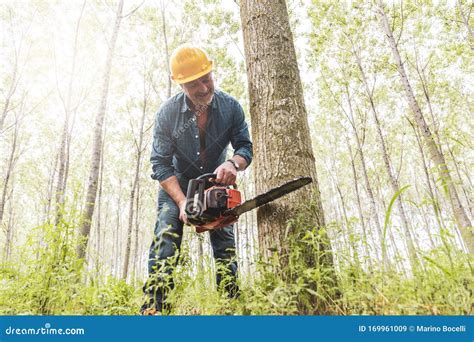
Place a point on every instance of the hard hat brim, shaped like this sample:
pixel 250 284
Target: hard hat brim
pixel 196 76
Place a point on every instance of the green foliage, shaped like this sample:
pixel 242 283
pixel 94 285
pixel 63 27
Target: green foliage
pixel 49 281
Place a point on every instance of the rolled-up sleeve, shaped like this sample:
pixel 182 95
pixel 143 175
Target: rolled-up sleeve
pixel 162 149
pixel 240 138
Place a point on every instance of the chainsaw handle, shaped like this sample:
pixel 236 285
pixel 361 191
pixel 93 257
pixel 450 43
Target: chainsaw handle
pixel 194 207
pixel 208 176
pixel 211 177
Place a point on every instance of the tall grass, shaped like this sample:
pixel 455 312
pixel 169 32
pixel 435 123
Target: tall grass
pixel 50 280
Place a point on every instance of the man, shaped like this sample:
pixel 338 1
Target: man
pixel 191 135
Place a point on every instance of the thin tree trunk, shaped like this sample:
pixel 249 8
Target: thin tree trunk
pixel 359 206
pixel 385 259
pixel 9 169
pixel 99 205
pixel 465 20
pixel 11 91
pixel 10 227
pixel 165 41
pixel 435 153
pixel 115 262
pixel 136 180
pixel 413 257
pixel 61 181
pixel 97 143
pixel 137 229
pixel 49 189
pixel 461 184
pixel 351 236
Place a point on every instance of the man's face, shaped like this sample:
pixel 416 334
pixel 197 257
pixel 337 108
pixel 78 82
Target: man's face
pixel 200 91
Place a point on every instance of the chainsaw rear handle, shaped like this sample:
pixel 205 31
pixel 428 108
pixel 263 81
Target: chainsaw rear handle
pixel 195 204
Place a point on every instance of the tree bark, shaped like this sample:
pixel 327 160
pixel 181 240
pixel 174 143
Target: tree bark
pixel 280 130
pixel 436 154
pixel 96 145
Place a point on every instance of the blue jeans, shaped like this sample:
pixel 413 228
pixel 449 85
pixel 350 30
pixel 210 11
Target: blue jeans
pixel 164 253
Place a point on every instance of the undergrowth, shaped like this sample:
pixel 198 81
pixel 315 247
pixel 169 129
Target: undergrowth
pixel 50 280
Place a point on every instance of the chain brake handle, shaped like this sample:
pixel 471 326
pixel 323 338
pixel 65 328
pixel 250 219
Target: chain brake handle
pixel 210 180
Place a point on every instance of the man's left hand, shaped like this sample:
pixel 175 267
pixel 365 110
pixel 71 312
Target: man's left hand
pixel 226 173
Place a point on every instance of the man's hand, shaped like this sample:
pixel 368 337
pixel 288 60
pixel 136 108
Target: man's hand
pixel 182 211
pixel 226 173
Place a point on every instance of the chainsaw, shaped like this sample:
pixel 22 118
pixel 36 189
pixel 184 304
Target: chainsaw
pixel 210 205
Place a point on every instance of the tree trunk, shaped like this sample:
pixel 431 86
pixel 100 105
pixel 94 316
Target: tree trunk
pixel 62 180
pixel 350 232
pixel 165 42
pixel 136 179
pixel 280 131
pixel 9 169
pixel 373 206
pixel 99 207
pixel 137 229
pixel 465 19
pixel 359 206
pixel 413 257
pixel 436 154
pixel 96 145
pixel 10 228
pixel 13 86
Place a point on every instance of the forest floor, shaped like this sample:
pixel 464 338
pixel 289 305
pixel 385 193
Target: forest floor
pixel 50 284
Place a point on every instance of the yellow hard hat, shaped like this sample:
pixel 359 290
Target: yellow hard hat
pixel 188 63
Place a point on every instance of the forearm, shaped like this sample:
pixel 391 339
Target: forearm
pixel 172 187
pixel 241 161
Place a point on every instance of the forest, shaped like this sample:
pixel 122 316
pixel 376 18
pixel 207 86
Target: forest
pixel 372 99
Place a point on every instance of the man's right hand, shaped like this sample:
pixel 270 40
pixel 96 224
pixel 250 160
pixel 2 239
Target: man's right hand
pixel 182 211
pixel 171 186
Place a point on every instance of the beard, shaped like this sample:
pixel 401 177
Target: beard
pixel 202 100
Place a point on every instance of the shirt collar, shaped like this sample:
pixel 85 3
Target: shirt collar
pixel 185 107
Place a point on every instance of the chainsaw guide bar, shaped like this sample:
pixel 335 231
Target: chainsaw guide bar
pixel 210 205
pixel 269 196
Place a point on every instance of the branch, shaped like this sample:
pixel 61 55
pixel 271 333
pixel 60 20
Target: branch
pixel 133 11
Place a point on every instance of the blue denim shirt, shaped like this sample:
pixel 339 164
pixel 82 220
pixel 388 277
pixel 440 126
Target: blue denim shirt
pixel 176 145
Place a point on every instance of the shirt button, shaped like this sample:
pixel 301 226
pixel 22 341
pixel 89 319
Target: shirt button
pixel 200 167
pixel 194 119
pixel 197 136
pixel 198 153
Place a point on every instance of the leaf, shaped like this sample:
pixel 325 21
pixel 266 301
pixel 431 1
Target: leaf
pixel 388 213
pixel 431 261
